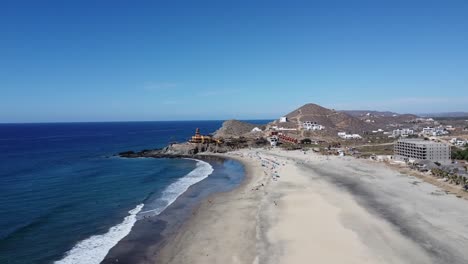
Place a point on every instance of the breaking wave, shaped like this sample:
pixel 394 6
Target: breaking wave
pixel 169 195
pixel 94 249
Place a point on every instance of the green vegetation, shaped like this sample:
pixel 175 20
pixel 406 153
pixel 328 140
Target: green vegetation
pixel 452 177
pixel 460 154
pixel 289 146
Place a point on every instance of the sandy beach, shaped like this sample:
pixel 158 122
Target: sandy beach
pixel 297 207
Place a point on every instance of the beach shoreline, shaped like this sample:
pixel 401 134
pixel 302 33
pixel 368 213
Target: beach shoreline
pixel 294 207
pixel 203 215
pixel 152 230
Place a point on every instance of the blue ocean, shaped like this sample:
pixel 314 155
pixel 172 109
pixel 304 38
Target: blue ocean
pixel 64 195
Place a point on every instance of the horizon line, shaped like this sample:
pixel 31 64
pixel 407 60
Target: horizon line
pixel 128 121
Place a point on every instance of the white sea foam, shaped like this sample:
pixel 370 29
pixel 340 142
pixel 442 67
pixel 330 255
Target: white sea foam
pixel 94 249
pixel 174 190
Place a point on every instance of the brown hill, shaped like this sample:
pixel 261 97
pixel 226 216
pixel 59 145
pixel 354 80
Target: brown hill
pixel 360 113
pixel 386 121
pixel 234 129
pixel 332 120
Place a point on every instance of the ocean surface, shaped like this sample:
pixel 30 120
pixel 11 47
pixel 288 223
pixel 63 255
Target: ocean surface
pixel 64 196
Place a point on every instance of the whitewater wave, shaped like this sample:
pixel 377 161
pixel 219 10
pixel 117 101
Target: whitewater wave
pixel 174 190
pixel 94 249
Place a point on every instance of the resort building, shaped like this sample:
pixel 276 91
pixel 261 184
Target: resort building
pixel 420 149
pixel 402 132
pixel 436 131
pixel 450 128
pixel 309 125
pixel 344 135
pixel 458 142
pixel 198 138
pixel 287 138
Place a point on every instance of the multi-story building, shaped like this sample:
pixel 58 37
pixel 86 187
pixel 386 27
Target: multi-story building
pixel 420 149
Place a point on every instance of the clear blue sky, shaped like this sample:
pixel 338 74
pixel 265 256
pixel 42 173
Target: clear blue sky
pixel 175 60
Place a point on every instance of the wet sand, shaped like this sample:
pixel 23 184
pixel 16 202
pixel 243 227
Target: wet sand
pixel 302 208
pixel 150 233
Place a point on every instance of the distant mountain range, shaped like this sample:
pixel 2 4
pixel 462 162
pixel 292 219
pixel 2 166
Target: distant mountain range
pixel 354 121
pixel 446 114
pixel 359 113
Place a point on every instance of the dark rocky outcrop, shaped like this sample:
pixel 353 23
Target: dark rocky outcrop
pixel 177 151
pixel 231 136
pixel 184 150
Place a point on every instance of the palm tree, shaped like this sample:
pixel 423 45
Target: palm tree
pixel 457 179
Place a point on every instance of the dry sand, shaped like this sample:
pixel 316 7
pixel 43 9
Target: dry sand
pixel 323 210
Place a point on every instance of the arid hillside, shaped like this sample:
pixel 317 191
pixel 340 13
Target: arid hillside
pixel 235 128
pixel 332 120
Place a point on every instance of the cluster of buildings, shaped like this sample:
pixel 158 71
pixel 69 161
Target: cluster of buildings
pixel 345 135
pixel 423 120
pixel 275 137
pixel 435 131
pixel 427 131
pixel 285 125
pixel 459 142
